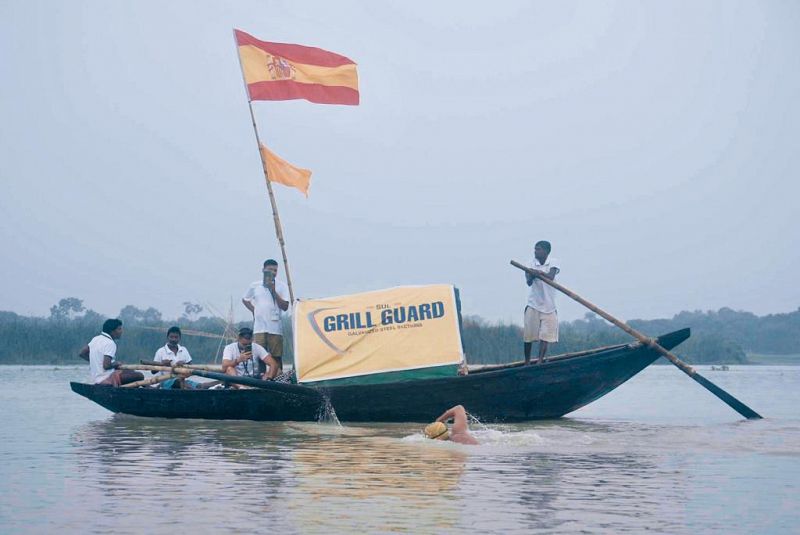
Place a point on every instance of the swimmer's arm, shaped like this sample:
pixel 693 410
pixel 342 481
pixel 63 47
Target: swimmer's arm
pixel 459 416
pixel 446 416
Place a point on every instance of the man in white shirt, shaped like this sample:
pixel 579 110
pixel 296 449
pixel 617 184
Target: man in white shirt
pixel 172 354
pixel 101 353
pixel 266 299
pixel 241 358
pixel 541 317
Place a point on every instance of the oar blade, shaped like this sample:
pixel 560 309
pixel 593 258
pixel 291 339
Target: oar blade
pixel 732 402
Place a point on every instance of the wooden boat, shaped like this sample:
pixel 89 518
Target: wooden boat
pixel 508 393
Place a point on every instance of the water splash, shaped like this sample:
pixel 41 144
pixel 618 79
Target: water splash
pixel 497 439
pixel 474 421
pixel 327 414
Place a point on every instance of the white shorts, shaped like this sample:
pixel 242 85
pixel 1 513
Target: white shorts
pixel 540 326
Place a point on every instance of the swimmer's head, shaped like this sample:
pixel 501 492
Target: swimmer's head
pixel 436 431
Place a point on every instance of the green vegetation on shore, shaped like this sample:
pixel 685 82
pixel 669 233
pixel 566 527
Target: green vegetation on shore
pixel 718 337
pixel 773 360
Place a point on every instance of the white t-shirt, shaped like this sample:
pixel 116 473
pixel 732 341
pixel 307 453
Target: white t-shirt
pixel 267 315
pixel 165 353
pixel 541 296
pixel 100 346
pixel 248 368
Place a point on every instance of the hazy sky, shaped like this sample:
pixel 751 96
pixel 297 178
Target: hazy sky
pixel 655 144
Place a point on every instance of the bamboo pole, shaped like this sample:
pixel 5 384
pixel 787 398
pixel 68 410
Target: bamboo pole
pixel 275 217
pixel 734 403
pixel 241 380
pixel 149 381
pixel 207 367
pixel 182 370
pixel 188 332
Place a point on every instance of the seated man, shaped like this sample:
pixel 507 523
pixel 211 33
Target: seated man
pixel 458 433
pixel 101 353
pixel 173 354
pixel 240 358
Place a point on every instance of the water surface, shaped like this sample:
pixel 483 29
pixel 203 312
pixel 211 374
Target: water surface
pixel 658 454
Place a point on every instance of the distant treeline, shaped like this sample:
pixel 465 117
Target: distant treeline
pixel 723 336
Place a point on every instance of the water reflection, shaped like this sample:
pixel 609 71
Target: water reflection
pixel 372 476
pixel 304 476
pixel 235 469
pixel 557 492
pixel 317 477
pixel 621 470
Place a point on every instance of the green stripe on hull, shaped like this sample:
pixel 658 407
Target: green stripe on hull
pixel 450 370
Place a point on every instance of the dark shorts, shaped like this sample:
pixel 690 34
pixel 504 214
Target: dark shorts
pixel 271 342
pixel 114 379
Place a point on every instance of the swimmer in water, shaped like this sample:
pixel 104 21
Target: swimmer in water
pixel 459 432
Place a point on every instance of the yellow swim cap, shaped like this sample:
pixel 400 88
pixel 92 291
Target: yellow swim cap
pixel 437 431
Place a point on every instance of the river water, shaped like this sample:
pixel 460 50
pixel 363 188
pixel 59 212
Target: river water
pixel 658 454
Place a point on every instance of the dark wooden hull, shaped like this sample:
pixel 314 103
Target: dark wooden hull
pixel 511 393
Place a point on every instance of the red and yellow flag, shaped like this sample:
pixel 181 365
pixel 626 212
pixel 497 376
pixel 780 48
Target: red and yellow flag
pixel 280 171
pixel 279 71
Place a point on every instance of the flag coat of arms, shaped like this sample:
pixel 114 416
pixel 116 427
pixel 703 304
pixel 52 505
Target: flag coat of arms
pixel 280 71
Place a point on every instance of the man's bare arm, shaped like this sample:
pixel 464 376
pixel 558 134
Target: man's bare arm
pixel 84 353
pixel 227 363
pixel 108 363
pixel 550 275
pixel 459 416
pixel 282 304
pixel 249 306
pixel 446 416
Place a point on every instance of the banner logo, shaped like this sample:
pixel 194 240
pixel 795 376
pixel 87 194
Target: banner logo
pixel 360 323
pixel 312 320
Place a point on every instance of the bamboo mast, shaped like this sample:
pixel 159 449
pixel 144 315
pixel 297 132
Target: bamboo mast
pixel 275 217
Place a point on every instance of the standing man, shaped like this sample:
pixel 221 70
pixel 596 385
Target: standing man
pixel 241 358
pixel 266 299
pixel 172 354
pixel 101 353
pixel 541 318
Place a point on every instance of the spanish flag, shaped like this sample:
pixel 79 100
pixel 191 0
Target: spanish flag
pixel 279 170
pixel 279 71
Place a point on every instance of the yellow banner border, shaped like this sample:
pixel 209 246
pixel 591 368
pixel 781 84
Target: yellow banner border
pixel 455 319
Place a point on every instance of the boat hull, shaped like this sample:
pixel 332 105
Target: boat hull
pixel 509 394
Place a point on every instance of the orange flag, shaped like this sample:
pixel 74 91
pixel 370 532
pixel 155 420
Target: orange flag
pixel 279 170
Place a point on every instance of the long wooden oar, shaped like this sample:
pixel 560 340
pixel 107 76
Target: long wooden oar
pixel 149 381
pixel 157 368
pixel 239 380
pixel 207 367
pixel 734 403
pixel 293 389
